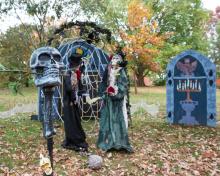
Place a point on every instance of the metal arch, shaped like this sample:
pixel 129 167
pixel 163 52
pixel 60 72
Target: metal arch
pixel 97 56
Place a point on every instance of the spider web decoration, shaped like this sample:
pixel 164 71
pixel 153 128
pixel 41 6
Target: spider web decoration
pixel 94 58
pixel 95 61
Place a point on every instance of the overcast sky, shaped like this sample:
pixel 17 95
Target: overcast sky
pixel 11 21
pixel 211 4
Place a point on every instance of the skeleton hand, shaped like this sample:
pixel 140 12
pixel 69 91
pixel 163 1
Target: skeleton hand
pixel 93 100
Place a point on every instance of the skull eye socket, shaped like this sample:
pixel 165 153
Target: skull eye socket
pixel 57 57
pixel 40 70
pixel 44 57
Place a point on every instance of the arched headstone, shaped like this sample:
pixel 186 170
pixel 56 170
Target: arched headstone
pixel 191 90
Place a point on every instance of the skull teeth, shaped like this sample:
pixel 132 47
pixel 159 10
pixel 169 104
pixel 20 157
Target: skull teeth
pixel 52 70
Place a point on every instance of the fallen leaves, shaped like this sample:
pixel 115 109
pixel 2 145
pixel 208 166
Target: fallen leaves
pixel 160 149
pixel 209 154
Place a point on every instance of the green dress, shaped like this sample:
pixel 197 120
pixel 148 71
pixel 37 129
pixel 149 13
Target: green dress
pixel 113 133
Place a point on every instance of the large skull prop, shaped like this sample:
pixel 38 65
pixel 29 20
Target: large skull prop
pixel 46 63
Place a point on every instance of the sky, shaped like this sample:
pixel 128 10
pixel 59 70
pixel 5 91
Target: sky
pixel 12 20
pixel 211 4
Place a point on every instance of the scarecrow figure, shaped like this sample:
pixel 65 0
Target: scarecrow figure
pixel 75 138
pixel 113 132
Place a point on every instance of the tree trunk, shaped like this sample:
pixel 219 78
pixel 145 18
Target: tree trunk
pixel 27 82
pixel 135 84
pixel 140 80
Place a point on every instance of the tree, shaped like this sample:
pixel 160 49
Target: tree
pixel 42 14
pixel 141 40
pixel 186 21
pixel 109 13
pixel 18 42
pixel 15 51
pixel 214 35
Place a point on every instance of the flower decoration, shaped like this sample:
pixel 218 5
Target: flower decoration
pixel 111 90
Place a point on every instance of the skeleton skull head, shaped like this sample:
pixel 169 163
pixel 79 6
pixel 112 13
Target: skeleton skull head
pixel 46 63
pixel 116 60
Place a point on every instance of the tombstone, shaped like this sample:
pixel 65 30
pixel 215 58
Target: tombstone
pixel 191 90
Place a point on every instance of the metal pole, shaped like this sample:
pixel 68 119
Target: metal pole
pixel 48 129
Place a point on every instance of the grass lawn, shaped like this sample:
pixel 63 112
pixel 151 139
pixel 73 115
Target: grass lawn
pixel 151 95
pixel 158 95
pixel 9 100
pixel 160 149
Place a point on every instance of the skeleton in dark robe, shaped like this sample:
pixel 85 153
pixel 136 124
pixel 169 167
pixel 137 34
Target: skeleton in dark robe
pixel 113 132
pixel 75 138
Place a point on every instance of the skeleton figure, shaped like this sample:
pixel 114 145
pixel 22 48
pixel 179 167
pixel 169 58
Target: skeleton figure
pixel 75 138
pixel 113 74
pixel 46 63
pixel 113 90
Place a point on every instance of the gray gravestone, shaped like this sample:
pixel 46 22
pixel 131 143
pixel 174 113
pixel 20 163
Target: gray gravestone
pixel 191 90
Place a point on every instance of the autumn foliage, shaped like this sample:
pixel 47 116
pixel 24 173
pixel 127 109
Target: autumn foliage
pixel 142 39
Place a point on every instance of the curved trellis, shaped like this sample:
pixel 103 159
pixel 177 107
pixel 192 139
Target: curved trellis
pixel 96 30
pixel 95 58
pixel 95 61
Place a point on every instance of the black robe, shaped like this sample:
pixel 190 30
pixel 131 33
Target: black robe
pixel 75 137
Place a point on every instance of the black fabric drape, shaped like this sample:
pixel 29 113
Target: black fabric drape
pixel 74 133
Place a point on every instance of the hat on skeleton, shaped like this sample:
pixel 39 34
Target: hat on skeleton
pixel 75 58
